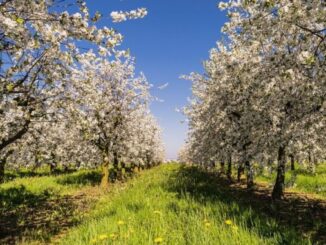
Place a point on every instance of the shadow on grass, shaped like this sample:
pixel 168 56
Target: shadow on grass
pixel 22 174
pixel 34 216
pixel 92 178
pixel 81 178
pixel 291 217
pixel 25 215
pixel 11 175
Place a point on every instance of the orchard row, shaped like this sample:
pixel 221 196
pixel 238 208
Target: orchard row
pixel 262 97
pixel 68 95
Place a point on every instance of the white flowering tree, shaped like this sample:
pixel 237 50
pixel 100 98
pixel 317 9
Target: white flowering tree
pixel 55 143
pixel 263 94
pixel 37 47
pixel 107 99
pixel 39 59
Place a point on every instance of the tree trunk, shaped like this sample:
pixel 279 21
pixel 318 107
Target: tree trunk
pixel 222 167
pixel 270 165
pixel 250 175
pixel 2 170
pixel 52 168
pixel 53 164
pixel 278 190
pixel 2 165
pixel 311 163
pixel 240 172
pixel 123 171
pixel 292 162
pixel 105 175
pixel 18 135
pixel 229 171
pixel 65 168
pixel 37 164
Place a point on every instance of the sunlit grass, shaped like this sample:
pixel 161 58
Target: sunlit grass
pixel 164 207
pixel 300 180
pixel 170 204
pixel 61 184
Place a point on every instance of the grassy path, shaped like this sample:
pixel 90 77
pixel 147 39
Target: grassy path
pixel 172 204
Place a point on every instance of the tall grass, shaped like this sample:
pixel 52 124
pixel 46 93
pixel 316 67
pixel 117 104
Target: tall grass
pixel 175 205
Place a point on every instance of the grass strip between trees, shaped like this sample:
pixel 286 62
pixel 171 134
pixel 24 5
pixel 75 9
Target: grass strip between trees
pixel 170 204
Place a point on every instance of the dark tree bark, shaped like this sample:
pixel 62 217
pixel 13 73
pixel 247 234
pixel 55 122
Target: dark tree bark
pixel 213 164
pixel 311 162
pixel 222 167
pixel 16 136
pixel 292 162
pixel 270 165
pixel 229 170
pixel 2 170
pixel 278 190
pixel 65 168
pixel 3 164
pixel 52 167
pixel 53 164
pixel 240 172
pixel 250 175
pixel 123 171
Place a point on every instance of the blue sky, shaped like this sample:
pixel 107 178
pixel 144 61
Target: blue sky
pixel 174 39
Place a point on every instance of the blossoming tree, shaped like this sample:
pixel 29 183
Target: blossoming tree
pixel 264 88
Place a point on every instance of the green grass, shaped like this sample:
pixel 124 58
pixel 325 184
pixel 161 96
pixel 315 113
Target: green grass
pixel 178 205
pixel 56 184
pixel 301 180
pixel 36 208
pixel 171 203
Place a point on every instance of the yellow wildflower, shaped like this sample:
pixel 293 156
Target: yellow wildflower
pixel 228 222
pixel 207 224
pixel 158 240
pixel 20 21
pixel 121 222
pixel 234 227
pixel 102 237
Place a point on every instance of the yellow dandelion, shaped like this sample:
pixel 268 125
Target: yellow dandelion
pixel 207 224
pixel 228 222
pixel 121 222
pixel 158 240
pixel 234 227
pixel 102 237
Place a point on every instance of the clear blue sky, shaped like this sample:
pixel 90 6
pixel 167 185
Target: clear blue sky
pixel 174 39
